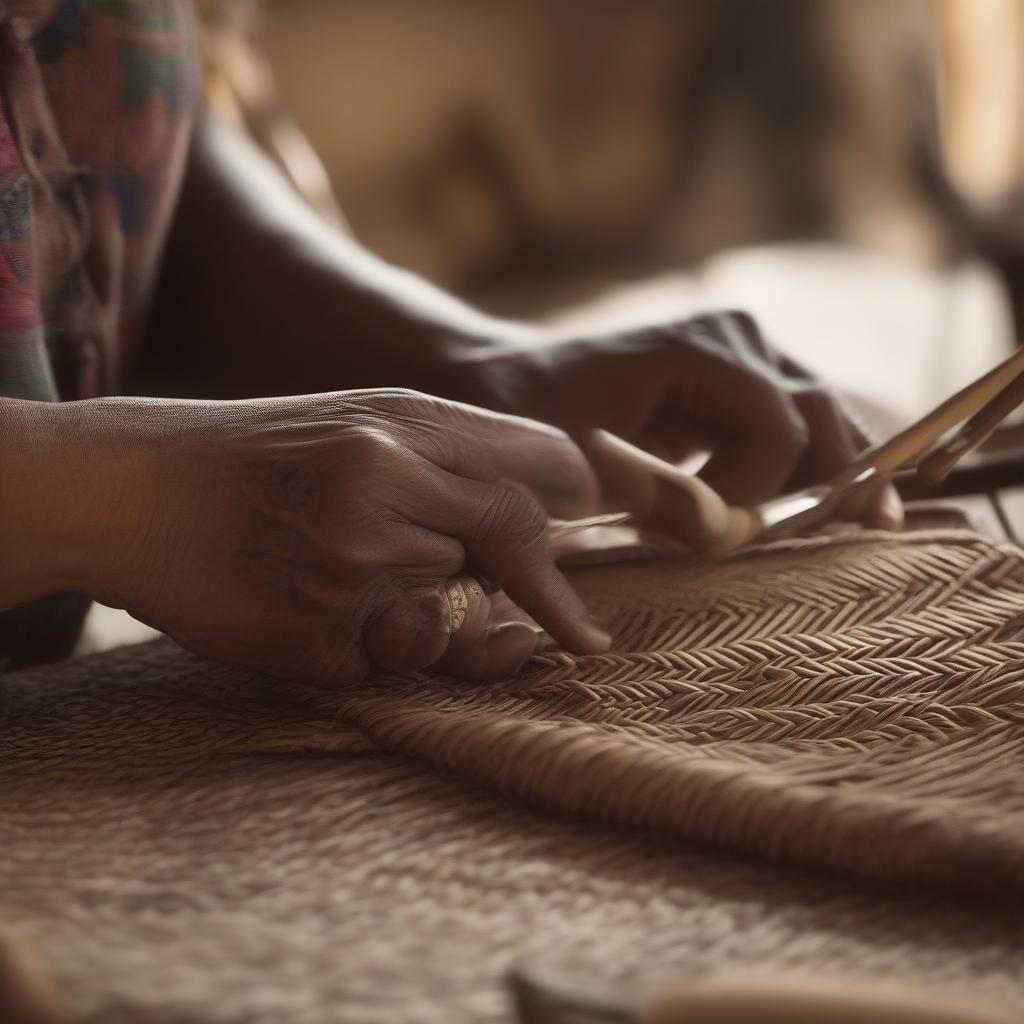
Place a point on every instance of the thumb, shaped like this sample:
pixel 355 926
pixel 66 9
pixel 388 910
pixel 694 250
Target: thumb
pixel 664 499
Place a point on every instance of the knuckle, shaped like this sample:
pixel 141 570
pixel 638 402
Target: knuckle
pixel 714 320
pixel 384 400
pixel 742 321
pixel 817 392
pixel 510 514
pixel 438 446
pixel 406 395
pixel 742 334
pixel 371 445
pixel 710 333
pixel 701 327
pixel 402 406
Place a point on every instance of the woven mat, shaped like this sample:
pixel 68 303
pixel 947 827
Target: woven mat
pixel 188 842
pixel 854 703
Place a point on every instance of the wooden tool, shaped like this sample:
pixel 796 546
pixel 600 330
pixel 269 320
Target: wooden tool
pixel 977 410
pixel 980 408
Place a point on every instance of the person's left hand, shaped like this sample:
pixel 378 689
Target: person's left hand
pixel 711 384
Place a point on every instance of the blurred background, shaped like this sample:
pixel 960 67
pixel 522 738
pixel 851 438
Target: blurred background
pixel 848 170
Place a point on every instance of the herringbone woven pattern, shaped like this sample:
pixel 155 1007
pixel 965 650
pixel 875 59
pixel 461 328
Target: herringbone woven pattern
pixel 187 843
pixel 852 703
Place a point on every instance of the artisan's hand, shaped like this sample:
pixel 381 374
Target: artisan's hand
pixel 709 384
pixel 315 537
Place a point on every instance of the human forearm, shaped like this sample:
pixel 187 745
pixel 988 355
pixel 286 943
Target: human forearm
pixel 261 296
pixel 48 517
pixel 312 537
pixel 83 484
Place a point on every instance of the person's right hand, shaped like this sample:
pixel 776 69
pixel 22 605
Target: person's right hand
pixel 321 536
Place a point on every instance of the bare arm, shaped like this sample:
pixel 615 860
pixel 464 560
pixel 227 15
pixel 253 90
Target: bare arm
pixel 260 297
pixel 314 537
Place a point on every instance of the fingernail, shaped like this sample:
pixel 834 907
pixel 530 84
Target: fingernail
pixel 601 640
pixel 513 643
pixel 740 527
pixel 890 509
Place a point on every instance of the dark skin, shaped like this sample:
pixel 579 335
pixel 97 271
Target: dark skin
pixel 274 303
pixel 323 535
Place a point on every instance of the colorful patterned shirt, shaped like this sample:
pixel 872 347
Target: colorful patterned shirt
pixel 98 99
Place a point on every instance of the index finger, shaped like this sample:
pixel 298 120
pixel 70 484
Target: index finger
pixel 504 532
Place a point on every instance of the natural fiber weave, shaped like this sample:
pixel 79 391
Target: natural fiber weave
pixel 187 842
pixel 850 703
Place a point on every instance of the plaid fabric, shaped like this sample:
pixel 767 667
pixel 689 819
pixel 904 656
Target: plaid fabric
pixel 96 112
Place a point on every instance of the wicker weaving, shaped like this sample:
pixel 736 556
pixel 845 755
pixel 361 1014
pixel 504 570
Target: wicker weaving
pixel 179 851
pixel 852 703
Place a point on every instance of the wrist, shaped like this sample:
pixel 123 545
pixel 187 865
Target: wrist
pixel 38 549
pixel 499 371
pixel 63 504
